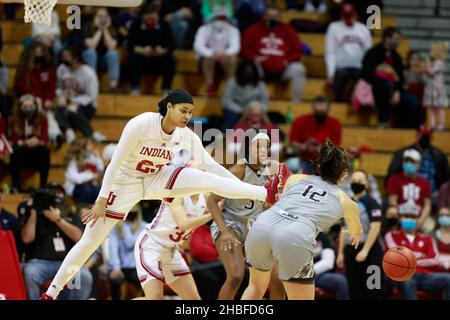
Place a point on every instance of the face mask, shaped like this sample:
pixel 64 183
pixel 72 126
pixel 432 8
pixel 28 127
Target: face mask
pixel 39 60
pixel 409 168
pixel 424 142
pixel 293 164
pixel 271 23
pixel 391 45
pixel 65 62
pixel 28 114
pixel 357 188
pixel 444 221
pixel 320 117
pixel 219 25
pixel 408 224
pixel 392 222
pixel 348 19
pixel 132 216
pixel 151 24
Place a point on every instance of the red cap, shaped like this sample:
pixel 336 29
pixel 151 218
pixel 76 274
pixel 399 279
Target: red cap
pixel 424 130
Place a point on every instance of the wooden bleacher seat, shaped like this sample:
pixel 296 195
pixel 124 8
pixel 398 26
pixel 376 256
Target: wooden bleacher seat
pixel 10 202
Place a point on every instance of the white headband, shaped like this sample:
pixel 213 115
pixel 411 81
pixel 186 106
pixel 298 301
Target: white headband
pixel 261 135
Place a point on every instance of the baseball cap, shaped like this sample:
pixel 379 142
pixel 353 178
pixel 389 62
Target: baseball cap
pixel 409 208
pixel 412 154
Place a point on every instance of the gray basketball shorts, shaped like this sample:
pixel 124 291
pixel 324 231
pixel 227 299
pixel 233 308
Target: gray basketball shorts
pixel 238 227
pixel 283 239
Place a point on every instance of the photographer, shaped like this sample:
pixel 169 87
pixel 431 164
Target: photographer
pixel 49 233
pixel 100 39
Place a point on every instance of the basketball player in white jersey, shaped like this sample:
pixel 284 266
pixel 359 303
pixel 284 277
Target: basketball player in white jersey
pixel 231 225
pixel 286 233
pixel 158 259
pixel 139 170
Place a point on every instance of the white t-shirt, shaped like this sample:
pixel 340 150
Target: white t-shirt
pixel 144 149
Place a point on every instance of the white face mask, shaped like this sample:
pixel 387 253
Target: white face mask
pixel 219 25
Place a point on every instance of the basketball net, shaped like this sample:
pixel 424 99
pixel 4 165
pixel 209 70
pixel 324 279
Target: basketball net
pixel 39 11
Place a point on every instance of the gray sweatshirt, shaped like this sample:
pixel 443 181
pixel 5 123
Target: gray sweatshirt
pixel 235 97
pixel 83 81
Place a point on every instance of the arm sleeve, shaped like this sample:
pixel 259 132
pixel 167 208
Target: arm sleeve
pixel 114 259
pixel 200 43
pixel 391 186
pixel 374 210
pixel 77 177
pixel 330 52
pixel 296 48
pixel 432 255
pixel 389 240
pixel 248 44
pixel 326 262
pixel 131 133
pixel 235 42
pixel 206 162
pixel 91 94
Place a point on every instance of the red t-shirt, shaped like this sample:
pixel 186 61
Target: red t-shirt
pixel 202 246
pixel 409 189
pixel 305 128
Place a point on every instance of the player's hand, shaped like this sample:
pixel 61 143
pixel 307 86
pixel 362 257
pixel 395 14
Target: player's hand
pixel 228 241
pixel 96 212
pixel 361 256
pixel 355 235
pixel 340 261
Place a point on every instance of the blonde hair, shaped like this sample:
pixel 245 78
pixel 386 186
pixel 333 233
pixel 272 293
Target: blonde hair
pixel 77 151
pixel 442 49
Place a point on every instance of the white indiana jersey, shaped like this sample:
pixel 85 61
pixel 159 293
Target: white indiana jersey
pixel 147 148
pixel 164 230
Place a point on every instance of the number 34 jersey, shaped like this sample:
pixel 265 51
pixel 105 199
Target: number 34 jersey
pixel 312 199
pixel 164 230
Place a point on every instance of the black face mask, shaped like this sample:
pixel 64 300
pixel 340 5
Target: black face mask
pixel 39 60
pixel 320 117
pixel 132 216
pixel 28 114
pixel 357 188
pixel 424 142
pixel 65 62
pixel 272 23
pixel 392 222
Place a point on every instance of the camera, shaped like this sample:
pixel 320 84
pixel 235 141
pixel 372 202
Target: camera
pixel 45 198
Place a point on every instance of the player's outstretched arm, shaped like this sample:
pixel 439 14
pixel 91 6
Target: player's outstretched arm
pixel 182 220
pixel 350 211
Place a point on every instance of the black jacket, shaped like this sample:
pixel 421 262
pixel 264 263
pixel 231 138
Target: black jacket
pixel 440 164
pixel 374 57
pixel 141 36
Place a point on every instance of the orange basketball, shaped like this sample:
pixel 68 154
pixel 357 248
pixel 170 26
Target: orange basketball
pixel 399 263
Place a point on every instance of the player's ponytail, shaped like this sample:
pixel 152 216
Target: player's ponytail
pixel 174 97
pixel 331 162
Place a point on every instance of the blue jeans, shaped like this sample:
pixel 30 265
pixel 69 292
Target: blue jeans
pixel 430 282
pixel 110 61
pixel 335 282
pixel 341 77
pixel 179 25
pixel 37 271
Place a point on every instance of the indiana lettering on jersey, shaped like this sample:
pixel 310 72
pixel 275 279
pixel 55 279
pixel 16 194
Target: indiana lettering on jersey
pixel 157 152
pixel 351 38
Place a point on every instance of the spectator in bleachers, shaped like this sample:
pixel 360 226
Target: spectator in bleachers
pixel 346 42
pixel 49 36
pixel 414 79
pixel 319 6
pixel 77 92
pixel 408 187
pixel 247 12
pixel 434 165
pixel 9 222
pixel 442 238
pixel 308 132
pixel 245 87
pixel 369 251
pixel 100 41
pixel 49 235
pixel 207 269
pixel 6 101
pixel 36 75
pixel 184 17
pixel 444 196
pixel 121 262
pixel 125 20
pixel 426 252
pixel 325 278
pixel 373 190
pixel 209 6
pixel 277 49
pixel 30 137
pixel 435 94
pixel 217 43
pixel 84 167
pixel 150 47
pixel 383 69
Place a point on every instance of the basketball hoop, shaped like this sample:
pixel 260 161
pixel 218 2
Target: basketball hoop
pixel 39 11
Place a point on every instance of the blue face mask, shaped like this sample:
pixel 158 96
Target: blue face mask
pixel 293 164
pixel 444 221
pixel 409 168
pixel 408 224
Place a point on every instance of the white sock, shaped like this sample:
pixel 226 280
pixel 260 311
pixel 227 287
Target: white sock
pixel 92 238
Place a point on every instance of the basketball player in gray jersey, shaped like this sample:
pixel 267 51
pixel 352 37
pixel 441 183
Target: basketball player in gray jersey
pixel 287 231
pixel 231 225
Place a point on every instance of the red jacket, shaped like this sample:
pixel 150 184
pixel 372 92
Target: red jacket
pixel 41 82
pixel 202 246
pixel 18 137
pixel 281 45
pixel 423 247
pixel 305 128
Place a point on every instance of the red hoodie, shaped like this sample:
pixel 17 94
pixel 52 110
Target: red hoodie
pixel 281 45
pixel 41 82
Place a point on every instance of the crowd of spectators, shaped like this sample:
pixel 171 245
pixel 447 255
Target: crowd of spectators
pixel 240 46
